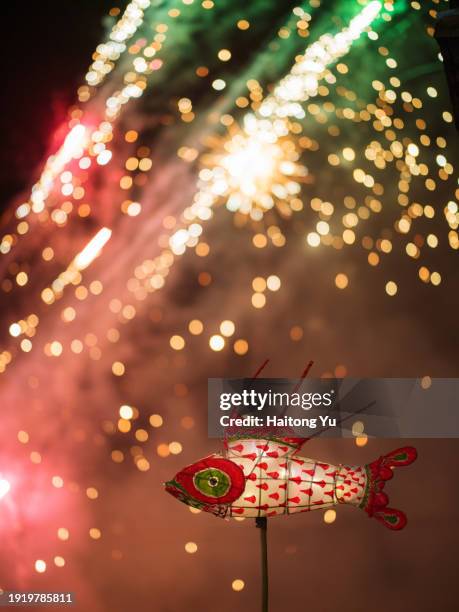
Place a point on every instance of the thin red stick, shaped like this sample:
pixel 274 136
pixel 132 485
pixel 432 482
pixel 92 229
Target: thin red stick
pixel 263 365
pixel 303 376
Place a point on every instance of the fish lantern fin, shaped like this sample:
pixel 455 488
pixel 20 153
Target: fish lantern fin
pixel 400 457
pixel 391 518
pixel 378 472
pixel 294 443
pixel 263 444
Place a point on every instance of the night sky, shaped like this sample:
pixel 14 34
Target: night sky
pixel 44 52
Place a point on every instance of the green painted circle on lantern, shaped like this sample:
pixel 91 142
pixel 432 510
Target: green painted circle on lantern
pixel 212 482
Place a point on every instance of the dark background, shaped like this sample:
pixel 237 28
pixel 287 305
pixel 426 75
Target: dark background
pixel 45 50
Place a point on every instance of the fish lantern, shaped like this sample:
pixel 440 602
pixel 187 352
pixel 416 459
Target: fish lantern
pixel 261 475
pixel 265 477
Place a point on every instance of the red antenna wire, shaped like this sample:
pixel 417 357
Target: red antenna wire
pixel 262 367
pixel 303 376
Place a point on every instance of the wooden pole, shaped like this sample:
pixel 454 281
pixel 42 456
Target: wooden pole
pixel 262 524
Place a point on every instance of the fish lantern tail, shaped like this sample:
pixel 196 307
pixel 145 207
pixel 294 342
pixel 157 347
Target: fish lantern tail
pixel 376 501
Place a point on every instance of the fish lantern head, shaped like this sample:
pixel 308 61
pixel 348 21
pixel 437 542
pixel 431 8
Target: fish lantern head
pixel 211 484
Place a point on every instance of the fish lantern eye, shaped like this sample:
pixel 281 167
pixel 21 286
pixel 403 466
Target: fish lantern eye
pixel 212 482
